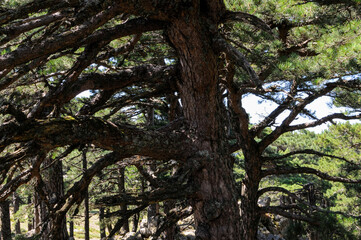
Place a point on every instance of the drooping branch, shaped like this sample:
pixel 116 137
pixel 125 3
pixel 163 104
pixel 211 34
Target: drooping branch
pixel 32 7
pixel 8 108
pixel 248 18
pixel 125 215
pixel 109 82
pixel 53 44
pixel 306 170
pixel 221 45
pixel 70 39
pixel 15 30
pixel 75 195
pixel 22 70
pixel 301 105
pixel 22 178
pixel 282 211
pixel 173 217
pixel 323 120
pixel 312 207
pixel 333 2
pixel 276 189
pixel 304 151
pixel 164 193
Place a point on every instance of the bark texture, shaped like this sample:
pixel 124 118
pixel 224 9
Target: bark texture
pixel 215 203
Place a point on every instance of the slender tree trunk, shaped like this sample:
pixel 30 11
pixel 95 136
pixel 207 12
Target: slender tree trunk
pixel 5 220
pixel 216 211
pixel 170 232
pixel 54 189
pixel 101 223
pixel 36 213
pixel 108 222
pixel 16 203
pixel 30 216
pixel 135 222
pixel 249 210
pixel 71 230
pixel 121 189
pixel 249 198
pixel 86 200
pixel 153 209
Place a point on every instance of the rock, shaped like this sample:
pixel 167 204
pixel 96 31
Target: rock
pixel 189 234
pixel 264 202
pixel 132 236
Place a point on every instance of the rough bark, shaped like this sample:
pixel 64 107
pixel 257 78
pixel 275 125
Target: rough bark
pixel 215 204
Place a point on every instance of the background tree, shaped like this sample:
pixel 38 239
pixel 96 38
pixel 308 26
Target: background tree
pixel 192 62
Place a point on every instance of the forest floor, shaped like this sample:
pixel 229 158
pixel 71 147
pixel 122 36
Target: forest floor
pixel 94 230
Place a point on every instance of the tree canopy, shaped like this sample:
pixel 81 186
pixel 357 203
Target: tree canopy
pixel 166 83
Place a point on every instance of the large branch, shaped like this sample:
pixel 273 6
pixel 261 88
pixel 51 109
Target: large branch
pixel 56 132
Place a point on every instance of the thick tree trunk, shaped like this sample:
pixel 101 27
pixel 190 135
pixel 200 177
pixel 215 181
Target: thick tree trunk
pixel 5 220
pixel 216 211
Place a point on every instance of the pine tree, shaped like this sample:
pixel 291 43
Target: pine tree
pixel 193 63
